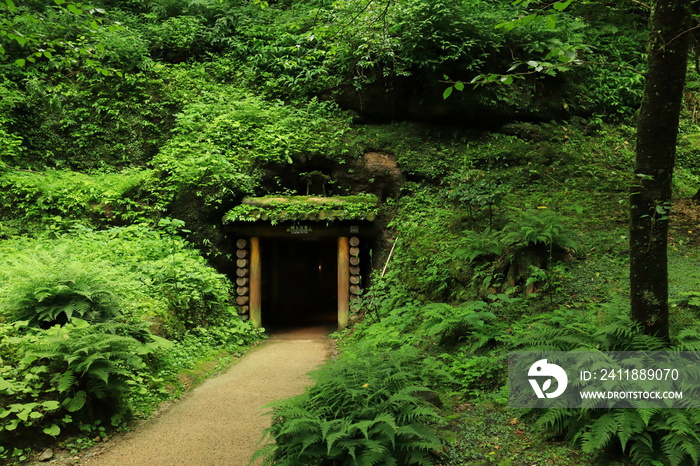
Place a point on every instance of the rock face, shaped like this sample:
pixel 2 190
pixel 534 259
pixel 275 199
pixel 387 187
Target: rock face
pixel 375 173
pixel 419 98
pixel 372 173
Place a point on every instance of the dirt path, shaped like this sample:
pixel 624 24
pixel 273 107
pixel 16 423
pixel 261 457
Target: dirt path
pixel 220 422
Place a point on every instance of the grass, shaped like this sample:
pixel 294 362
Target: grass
pixel 489 434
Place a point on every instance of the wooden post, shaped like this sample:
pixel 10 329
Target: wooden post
pixel 255 316
pixel 343 282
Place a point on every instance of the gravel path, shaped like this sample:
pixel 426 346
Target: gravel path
pixel 220 422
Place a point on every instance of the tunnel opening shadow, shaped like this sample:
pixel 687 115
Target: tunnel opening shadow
pixel 299 280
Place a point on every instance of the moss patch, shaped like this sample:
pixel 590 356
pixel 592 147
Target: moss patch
pixel 279 209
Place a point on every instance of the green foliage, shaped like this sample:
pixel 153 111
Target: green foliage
pixel 78 372
pixel 170 284
pixel 222 141
pixel 10 142
pixel 363 409
pixel 94 121
pixel 77 314
pixel 58 34
pixel 60 303
pixel 60 197
pixel 648 436
pixel 280 208
pixel 536 228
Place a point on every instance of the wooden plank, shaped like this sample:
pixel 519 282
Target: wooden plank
pixel 255 276
pixel 315 229
pixel 343 282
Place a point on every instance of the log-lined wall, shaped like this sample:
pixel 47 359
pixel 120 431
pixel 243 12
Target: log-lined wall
pixel 243 278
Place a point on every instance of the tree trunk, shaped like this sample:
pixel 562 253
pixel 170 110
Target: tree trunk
pixel 657 131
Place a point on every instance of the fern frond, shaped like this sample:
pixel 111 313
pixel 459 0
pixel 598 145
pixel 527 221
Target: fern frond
pixel 600 433
pixel 66 381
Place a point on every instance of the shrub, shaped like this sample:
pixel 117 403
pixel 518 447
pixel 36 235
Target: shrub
pixel 60 197
pixel 223 140
pixel 70 374
pixel 651 437
pixel 364 408
pixel 148 274
pixel 78 314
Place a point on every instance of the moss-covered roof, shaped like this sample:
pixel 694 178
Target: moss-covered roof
pixel 292 208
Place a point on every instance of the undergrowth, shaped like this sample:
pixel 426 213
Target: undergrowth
pixel 96 326
pixel 364 408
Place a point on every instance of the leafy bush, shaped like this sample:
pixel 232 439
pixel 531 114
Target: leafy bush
pixel 648 436
pixel 223 140
pixel 62 300
pixel 70 374
pixel 77 314
pixel 61 197
pixel 364 408
pixel 154 275
pixel 94 122
pixel 538 228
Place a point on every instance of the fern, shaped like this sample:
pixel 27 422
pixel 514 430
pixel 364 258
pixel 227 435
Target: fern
pixel 363 409
pixel 62 301
pixel 99 360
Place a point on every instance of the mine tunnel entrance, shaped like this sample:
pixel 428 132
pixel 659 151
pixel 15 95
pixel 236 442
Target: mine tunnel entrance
pixel 301 260
pixel 300 279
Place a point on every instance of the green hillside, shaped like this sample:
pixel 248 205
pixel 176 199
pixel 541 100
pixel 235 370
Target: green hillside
pixel 491 144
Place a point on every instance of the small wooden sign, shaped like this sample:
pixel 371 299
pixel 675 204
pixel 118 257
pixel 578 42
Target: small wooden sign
pixel 299 229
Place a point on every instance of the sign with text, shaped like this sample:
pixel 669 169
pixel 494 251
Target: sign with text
pixel 597 379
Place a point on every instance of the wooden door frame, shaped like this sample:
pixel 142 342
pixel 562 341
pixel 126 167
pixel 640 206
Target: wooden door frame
pixel 255 288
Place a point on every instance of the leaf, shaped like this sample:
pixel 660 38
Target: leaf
pixel 11 6
pixel 507 80
pixel 447 93
pixel 76 403
pixel 67 380
pixel 6 385
pixel 24 414
pixel 551 21
pixel 59 2
pixel 51 405
pixel 20 62
pixel 459 86
pixel 561 6
pixel 53 430
pixel 74 9
pixel 12 425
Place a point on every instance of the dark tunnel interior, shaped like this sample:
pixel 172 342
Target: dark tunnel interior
pixel 299 282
